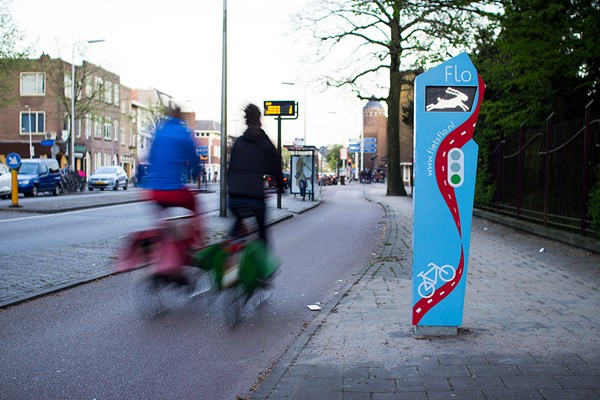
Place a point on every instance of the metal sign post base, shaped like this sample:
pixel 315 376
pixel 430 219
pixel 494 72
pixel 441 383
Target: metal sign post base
pixel 421 330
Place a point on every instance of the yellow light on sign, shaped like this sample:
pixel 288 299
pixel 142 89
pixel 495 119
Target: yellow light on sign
pixel 280 108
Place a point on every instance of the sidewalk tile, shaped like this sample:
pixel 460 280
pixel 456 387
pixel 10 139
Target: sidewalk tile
pixel 571 394
pixel 494 370
pixel 400 396
pixel 531 382
pixel 456 395
pixel 578 382
pixel 476 383
pixel 523 394
pixel 369 385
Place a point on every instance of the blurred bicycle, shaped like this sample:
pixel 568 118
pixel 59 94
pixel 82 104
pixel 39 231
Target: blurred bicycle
pixel 239 270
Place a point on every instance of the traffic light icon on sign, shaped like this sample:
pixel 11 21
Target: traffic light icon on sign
pixel 456 167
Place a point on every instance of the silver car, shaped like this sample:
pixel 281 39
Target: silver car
pixel 5 182
pixel 111 177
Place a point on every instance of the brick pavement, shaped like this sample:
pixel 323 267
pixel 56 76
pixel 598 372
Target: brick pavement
pixel 530 329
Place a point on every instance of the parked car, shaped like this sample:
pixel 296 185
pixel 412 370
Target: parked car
pixel 38 175
pixel 111 177
pixel 269 184
pixel 286 179
pixel 5 182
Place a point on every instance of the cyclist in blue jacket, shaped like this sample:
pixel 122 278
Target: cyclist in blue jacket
pixel 172 155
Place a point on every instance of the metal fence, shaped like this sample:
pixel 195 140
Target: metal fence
pixel 545 175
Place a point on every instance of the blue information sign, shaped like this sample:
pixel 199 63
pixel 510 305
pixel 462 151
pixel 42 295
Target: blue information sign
pixel 447 101
pixel 13 160
pixel 202 151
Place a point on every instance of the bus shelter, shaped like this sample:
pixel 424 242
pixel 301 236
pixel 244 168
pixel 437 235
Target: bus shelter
pixel 304 170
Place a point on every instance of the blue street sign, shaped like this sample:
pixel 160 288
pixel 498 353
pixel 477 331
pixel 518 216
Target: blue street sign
pixel 447 101
pixel 48 143
pixel 13 161
pixel 202 151
pixel 369 140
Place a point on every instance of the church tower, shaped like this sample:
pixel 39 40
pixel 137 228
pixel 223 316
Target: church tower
pixel 375 126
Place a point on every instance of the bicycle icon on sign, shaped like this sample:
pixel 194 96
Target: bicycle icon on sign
pixel 445 273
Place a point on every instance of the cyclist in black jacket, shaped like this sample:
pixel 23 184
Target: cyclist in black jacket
pixel 252 157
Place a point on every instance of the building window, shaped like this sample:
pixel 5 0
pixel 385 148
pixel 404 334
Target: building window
pixel 116 131
pixel 107 129
pixel 88 126
pixel 33 84
pixel 98 87
pixel 78 128
pixel 88 86
pixel 68 86
pixel 97 130
pixel 34 122
pixel 116 96
pixel 108 92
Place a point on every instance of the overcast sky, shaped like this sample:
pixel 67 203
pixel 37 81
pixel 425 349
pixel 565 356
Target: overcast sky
pixel 175 46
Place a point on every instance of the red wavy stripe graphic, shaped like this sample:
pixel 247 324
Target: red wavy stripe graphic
pixel 455 139
pixel 425 304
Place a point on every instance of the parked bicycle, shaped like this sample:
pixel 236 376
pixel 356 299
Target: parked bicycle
pixel 71 181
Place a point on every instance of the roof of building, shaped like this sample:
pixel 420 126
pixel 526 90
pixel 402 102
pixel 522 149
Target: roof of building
pixel 373 103
pixel 207 125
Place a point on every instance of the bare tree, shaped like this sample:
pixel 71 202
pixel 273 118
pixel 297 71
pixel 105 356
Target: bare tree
pixel 90 88
pixel 12 52
pixel 381 40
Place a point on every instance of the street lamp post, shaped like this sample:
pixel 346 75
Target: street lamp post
pixel 31 152
pixel 223 182
pixel 305 108
pixel 72 133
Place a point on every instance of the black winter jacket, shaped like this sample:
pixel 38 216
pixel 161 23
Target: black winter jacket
pixel 253 156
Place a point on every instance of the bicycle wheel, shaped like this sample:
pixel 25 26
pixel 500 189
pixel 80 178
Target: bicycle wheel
pixel 202 281
pixel 447 273
pixel 158 295
pixel 234 300
pixel 426 290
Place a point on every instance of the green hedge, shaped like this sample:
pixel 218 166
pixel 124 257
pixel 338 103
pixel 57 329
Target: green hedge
pixel 594 202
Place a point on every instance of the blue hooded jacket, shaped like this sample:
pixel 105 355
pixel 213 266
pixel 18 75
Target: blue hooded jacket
pixel 172 155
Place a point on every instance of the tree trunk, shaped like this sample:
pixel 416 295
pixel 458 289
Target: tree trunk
pixel 395 185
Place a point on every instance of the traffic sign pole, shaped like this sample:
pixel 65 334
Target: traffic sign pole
pixel 15 188
pixel 13 160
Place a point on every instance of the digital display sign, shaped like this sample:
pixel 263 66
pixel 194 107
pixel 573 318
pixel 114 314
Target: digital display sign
pixel 280 108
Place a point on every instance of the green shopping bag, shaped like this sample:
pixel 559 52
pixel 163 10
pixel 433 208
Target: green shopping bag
pixel 257 262
pixel 212 258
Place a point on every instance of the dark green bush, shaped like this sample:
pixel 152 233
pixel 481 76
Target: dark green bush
pixel 594 202
pixel 484 189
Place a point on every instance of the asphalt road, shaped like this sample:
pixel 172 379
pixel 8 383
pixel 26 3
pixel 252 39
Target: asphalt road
pixel 90 342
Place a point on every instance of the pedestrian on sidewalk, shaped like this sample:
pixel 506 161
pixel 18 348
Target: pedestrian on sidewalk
pixel 253 156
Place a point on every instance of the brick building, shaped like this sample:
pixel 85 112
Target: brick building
pixel 375 126
pixel 41 109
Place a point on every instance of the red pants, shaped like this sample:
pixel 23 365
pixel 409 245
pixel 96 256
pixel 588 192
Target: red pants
pixel 174 198
pixel 185 199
